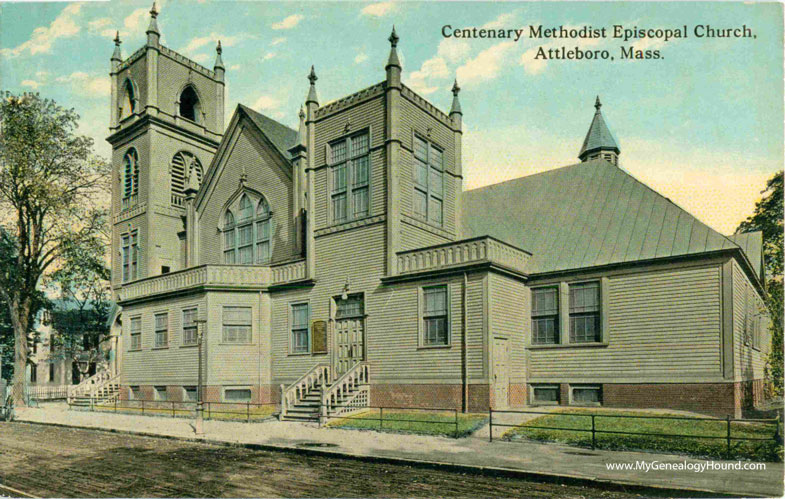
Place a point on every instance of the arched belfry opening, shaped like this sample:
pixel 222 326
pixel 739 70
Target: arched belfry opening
pixel 190 108
pixel 128 103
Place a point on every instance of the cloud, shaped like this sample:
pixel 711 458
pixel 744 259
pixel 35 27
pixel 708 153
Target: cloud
pixel 100 25
pixel 503 21
pixel 360 58
pixel 378 9
pixel 200 58
pixel 278 41
pixel 428 78
pixel 137 20
pixel 226 41
pixel 30 83
pixel 266 103
pixel 41 40
pixel 288 23
pixel 96 86
pixel 453 50
pixel 486 65
pixel 268 56
pixel 234 67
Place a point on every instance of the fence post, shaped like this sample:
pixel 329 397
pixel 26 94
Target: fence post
pixel 248 412
pixel 456 423
pixel 727 419
pixel 777 429
pixel 381 417
pixel 173 408
pixel 115 404
pixel 208 410
pixel 490 424
pixel 593 433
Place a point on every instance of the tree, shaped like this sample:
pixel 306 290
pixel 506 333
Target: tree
pixel 52 192
pixel 79 319
pixel 768 218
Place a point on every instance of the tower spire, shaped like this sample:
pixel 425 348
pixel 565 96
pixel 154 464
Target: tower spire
pixel 312 97
pixel 153 34
pixel 393 60
pixel 599 142
pixel 219 63
pixel 118 54
pixel 456 104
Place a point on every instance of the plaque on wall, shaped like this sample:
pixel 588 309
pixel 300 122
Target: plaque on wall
pixel 319 336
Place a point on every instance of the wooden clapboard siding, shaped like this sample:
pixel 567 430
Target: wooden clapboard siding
pixel 663 326
pixel 509 302
pixel 234 363
pixel 749 362
pixel 413 237
pixel 267 175
pixel 173 365
pixel 366 115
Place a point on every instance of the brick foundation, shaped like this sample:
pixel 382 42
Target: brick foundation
pixel 716 399
pixel 518 395
pixel 441 396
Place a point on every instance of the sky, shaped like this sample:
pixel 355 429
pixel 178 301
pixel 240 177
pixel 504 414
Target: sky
pixel 703 125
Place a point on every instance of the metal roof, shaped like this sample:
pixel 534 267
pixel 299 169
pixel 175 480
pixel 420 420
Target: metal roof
pixel 279 134
pixel 585 215
pixel 751 243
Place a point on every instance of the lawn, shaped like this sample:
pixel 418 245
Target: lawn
pixel 764 450
pixel 421 422
pixel 223 412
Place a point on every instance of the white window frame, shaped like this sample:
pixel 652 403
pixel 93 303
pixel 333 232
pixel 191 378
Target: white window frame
pixel 598 313
pixel 536 315
pixel 352 189
pixel 157 393
pixel 256 222
pixel 129 253
pixel 307 328
pixel 158 331
pixel 228 341
pixel 533 400
pixel 188 327
pixel 421 315
pixel 428 190
pixel 135 334
pixel 588 386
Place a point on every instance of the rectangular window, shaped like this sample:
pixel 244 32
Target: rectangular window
pixel 428 198
pixel 130 250
pixel 352 306
pixel 350 164
pixel 586 395
pixel 136 333
pixel 545 394
pixel 545 316
pixel 237 395
pixel 263 241
pixel 190 394
pixel 34 373
pixel 162 330
pixel 300 318
pixel 229 253
pixel 237 324
pixel 434 320
pixel 189 326
pixel 585 312
pixel 160 393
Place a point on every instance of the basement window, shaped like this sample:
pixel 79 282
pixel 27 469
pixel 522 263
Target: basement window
pixel 237 395
pixel 134 393
pixel 160 393
pixel 545 394
pixel 585 395
pixel 189 394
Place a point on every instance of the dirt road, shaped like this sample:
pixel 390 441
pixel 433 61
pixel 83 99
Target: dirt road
pixel 49 461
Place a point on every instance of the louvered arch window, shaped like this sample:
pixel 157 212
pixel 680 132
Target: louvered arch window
pixel 128 103
pixel 130 178
pixel 248 236
pixel 183 164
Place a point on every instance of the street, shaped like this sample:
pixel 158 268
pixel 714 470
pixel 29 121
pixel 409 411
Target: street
pixel 49 461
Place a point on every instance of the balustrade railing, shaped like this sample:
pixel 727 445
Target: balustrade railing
pixel 288 272
pixel 359 376
pixel 218 275
pixel 317 377
pixel 476 250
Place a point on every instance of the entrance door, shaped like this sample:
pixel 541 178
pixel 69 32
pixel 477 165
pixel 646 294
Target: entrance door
pixel 349 332
pixel 501 374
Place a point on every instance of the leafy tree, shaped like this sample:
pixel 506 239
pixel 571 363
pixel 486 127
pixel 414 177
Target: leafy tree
pixel 52 192
pixel 768 218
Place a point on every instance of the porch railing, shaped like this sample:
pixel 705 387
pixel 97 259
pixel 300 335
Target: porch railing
pixel 317 377
pixel 350 390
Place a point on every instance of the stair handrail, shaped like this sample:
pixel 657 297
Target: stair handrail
pixel 317 376
pixel 86 386
pixel 358 374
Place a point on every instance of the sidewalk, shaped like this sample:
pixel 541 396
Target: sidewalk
pixel 475 451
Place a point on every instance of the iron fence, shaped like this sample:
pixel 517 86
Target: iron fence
pixel 55 392
pixel 728 437
pixel 454 421
pixel 233 411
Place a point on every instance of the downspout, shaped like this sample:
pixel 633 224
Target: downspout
pixel 259 328
pixel 464 352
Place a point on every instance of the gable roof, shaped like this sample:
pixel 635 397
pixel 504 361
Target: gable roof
pixel 585 215
pixel 281 136
pixel 751 243
pixel 599 135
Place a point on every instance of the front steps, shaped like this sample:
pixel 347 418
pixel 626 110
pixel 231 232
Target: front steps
pixel 307 409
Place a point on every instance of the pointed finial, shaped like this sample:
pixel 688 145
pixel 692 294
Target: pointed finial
pixel 218 48
pixel 117 55
pixel 597 103
pixel 456 104
pixel 153 33
pixel 455 88
pixel 312 97
pixel 312 76
pixel 301 114
pixel 393 38
pixel 117 38
pixel 219 63
pixel 154 11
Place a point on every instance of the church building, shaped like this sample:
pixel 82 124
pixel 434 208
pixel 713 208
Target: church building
pixel 342 264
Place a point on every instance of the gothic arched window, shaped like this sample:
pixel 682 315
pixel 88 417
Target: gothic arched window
pixel 190 108
pixel 229 237
pixel 247 238
pixel 130 177
pixel 183 164
pixel 128 102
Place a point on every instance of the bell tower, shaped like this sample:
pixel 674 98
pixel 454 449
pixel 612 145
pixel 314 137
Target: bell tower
pixel 166 121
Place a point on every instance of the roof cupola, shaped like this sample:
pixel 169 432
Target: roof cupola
pixel 599 142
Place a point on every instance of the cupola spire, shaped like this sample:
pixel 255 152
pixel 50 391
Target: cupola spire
pixel 456 104
pixel 118 54
pixel 599 142
pixel 393 60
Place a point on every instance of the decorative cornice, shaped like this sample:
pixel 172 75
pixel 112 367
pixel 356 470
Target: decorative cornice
pixel 131 59
pixel 364 222
pixel 425 105
pixel 350 100
pixel 129 213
